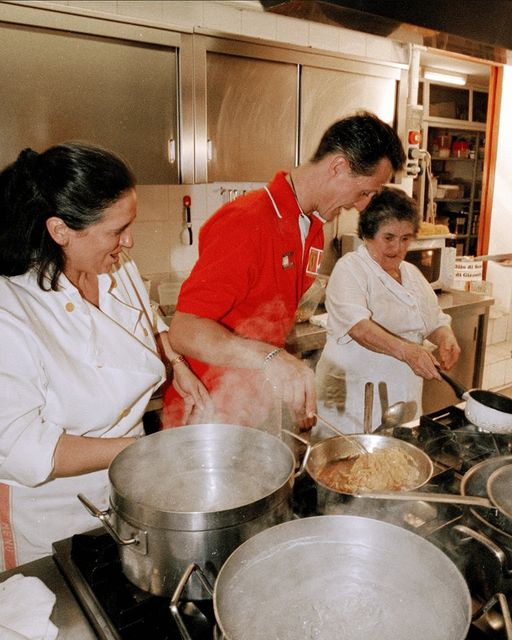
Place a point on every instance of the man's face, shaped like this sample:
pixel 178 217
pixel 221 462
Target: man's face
pixel 349 190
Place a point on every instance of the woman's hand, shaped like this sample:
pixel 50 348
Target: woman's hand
pixel 448 347
pixel 421 360
pixel 190 388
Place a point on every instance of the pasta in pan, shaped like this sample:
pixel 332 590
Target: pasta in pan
pixel 390 469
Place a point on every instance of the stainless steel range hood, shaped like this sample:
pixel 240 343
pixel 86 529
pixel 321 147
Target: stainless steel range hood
pixel 478 28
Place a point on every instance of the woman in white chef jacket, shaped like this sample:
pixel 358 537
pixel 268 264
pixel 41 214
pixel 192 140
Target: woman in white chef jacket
pixel 381 311
pixel 78 354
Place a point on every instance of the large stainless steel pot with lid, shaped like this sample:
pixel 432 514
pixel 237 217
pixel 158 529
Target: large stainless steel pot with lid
pixel 340 577
pixel 193 494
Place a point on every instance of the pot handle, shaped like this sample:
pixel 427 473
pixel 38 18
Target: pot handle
pixel 505 610
pixel 466 533
pixel 305 459
pixel 178 593
pixel 500 598
pixel 102 516
pixel 458 389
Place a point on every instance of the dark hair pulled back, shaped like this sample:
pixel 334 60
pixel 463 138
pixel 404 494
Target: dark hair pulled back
pixel 363 139
pixel 73 181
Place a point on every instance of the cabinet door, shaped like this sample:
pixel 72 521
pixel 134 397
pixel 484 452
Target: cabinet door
pixel 59 86
pixel 329 94
pixel 468 330
pixel 251 117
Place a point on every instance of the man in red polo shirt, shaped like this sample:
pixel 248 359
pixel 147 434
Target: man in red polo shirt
pixel 257 256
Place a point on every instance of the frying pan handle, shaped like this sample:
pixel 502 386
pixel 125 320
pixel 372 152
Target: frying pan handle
pixel 178 593
pixel 305 459
pixel 456 386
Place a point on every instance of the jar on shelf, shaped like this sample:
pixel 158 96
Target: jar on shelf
pixel 443 144
pixel 460 148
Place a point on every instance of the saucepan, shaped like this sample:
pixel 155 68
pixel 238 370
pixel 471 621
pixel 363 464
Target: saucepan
pixel 487 410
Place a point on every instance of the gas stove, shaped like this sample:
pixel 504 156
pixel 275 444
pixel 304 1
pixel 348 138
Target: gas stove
pixel 118 610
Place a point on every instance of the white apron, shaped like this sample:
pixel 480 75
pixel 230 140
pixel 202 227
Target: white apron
pixel 360 289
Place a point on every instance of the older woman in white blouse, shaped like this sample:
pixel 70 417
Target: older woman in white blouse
pixel 381 313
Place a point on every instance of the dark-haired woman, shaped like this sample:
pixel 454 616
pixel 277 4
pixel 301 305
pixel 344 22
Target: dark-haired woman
pixel 78 352
pixel 382 315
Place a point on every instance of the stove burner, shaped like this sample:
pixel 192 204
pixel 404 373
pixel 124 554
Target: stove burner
pixel 131 613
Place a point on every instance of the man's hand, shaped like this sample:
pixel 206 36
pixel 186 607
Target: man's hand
pixel 294 383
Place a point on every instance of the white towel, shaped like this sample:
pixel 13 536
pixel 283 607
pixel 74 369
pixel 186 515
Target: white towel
pixel 26 604
pixel 320 320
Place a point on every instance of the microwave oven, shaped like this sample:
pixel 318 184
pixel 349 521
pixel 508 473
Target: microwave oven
pixel 434 259
pixel 430 254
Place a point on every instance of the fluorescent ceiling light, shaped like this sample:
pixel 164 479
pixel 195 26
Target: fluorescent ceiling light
pixel 445 76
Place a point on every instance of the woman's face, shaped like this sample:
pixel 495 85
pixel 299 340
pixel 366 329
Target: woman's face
pixel 96 249
pixel 391 242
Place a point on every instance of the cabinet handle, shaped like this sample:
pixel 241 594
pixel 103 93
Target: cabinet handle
pixel 209 150
pixel 171 150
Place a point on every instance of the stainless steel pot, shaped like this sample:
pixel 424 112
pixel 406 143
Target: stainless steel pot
pixel 340 577
pixel 193 494
pixel 486 409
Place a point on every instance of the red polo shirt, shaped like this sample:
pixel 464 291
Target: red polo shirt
pixel 251 272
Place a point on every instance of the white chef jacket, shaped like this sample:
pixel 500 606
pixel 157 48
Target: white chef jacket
pixel 359 289
pixel 67 366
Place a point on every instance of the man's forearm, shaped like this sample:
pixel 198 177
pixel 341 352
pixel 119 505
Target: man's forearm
pixel 208 341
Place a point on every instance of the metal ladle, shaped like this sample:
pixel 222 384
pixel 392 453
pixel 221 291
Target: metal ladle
pixel 392 416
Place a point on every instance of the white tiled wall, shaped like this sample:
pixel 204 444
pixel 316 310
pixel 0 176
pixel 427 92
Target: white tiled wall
pixel 159 250
pixel 243 17
pixel 498 353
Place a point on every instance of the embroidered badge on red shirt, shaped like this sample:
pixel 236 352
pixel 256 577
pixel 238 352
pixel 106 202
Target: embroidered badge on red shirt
pixel 314 260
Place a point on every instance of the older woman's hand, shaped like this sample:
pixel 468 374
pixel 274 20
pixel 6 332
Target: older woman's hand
pixel 448 347
pixel 421 360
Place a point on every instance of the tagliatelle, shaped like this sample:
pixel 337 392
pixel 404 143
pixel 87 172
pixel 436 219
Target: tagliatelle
pixel 383 470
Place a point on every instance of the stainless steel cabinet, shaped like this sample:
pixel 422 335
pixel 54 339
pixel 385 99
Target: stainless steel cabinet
pixel 470 327
pixel 330 94
pixel 261 108
pixel 58 86
pixel 251 117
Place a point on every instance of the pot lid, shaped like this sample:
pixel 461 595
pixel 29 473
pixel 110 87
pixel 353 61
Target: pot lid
pixel 498 488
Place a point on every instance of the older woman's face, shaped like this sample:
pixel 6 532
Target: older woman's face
pixel 96 249
pixel 391 242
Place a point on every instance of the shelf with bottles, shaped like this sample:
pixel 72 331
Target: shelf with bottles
pixel 455 145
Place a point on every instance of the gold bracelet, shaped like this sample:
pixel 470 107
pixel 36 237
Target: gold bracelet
pixel 177 360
